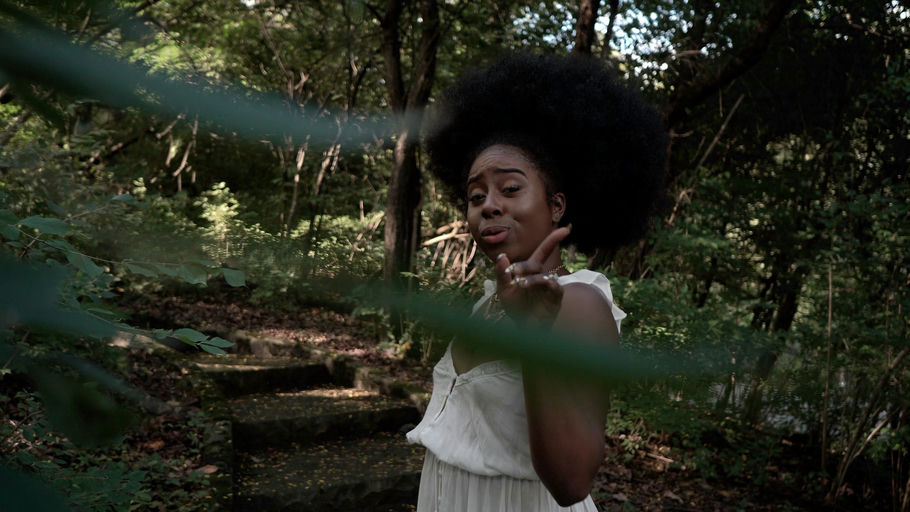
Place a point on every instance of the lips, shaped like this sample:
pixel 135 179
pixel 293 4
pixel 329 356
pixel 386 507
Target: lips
pixel 494 234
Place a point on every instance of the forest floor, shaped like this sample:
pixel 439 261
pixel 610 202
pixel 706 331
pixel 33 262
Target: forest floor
pixel 645 479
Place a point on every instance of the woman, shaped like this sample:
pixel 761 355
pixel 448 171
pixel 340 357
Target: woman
pixel 543 151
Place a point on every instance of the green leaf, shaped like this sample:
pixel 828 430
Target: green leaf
pixel 30 493
pixel 190 335
pixel 160 334
pixel 123 197
pixel 142 270
pixel 215 341
pixel 9 232
pixel 41 55
pixel 193 273
pixel 212 350
pixel 7 217
pixel 62 245
pixel 84 264
pixel 48 225
pixel 56 208
pixel 104 313
pixel 8 223
pixel 30 295
pixel 86 415
pixel 234 277
pixel 168 270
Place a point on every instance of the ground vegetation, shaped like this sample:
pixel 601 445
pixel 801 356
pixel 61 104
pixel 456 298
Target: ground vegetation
pixel 261 158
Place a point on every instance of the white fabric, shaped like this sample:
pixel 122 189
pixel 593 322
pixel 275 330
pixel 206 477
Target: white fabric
pixel 476 432
pixel 446 488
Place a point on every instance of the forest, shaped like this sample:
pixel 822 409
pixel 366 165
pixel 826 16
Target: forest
pixel 203 175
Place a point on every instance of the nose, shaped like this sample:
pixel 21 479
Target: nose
pixel 491 207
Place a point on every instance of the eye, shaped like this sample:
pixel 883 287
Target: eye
pixel 511 189
pixel 476 197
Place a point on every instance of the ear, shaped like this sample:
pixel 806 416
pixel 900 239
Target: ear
pixel 557 206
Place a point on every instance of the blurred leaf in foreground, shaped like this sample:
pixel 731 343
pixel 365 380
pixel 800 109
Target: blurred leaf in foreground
pixel 30 494
pixel 29 297
pixel 41 55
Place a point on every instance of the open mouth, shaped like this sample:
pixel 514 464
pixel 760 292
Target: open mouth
pixel 494 234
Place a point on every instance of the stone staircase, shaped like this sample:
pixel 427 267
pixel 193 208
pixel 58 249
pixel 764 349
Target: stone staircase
pixel 301 429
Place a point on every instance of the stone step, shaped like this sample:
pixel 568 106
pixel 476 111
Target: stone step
pixel 377 473
pixel 305 416
pixel 235 375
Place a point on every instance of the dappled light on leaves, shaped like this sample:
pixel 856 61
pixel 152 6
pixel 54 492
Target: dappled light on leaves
pixel 172 173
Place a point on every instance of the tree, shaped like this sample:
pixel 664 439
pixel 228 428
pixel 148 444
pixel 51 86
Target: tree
pixel 402 218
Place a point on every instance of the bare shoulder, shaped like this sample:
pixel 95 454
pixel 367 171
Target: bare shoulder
pixel 585 310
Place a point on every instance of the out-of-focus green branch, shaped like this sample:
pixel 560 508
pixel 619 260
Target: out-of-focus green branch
pixel 35 53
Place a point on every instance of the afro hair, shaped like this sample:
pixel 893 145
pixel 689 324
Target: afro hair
pixel 596 140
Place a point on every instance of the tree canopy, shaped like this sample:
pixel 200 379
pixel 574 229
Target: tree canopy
pixel 275 145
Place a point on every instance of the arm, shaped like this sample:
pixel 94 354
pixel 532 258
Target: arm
pixel 566 417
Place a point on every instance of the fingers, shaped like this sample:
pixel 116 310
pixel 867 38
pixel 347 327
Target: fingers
pixel 524 268
pixel 503 274
pixel 540 281
pixel 549 243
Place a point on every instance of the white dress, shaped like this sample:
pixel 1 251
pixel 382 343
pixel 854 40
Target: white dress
pixel 475 430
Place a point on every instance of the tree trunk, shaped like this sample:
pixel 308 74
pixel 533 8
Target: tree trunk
pixel 787 292
pixel 403 201
pixel 585 37
pixel 402 209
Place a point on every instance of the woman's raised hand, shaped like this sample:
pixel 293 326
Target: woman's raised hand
pixel 526 288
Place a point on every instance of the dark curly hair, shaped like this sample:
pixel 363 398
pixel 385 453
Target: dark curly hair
pixel 596 140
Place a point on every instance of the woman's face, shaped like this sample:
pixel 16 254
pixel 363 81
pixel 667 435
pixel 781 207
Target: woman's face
pixel 508 208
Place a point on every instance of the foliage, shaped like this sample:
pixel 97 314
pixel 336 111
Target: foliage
pixel 99 479
pixel 252 153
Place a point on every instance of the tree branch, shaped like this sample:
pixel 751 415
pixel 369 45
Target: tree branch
pixel 425 68
pixel 706 83
pixel 391 54
pixel 605 48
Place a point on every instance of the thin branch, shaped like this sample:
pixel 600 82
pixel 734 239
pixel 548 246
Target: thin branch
pixel 709 81
pixel 605 51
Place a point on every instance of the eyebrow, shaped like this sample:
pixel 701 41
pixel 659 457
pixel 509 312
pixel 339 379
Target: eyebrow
pixel 497 171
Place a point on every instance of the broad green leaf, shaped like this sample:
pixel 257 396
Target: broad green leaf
pixel 8 223
pixel 193 273
pixel 56 208
pixel 30 493
pixel 190 335
pixel 160 334
pixel 86 415
pixel 61 244
pixel 104 313
pixel 7 217
pixel 234 277
pixel 212 350
pixel 142 269
pixel 168 270
pixel 112 382
pixel 215 341
pixel 123 197
pixel 84 264
pixel 29 297
pixel 9 232
pixel 48 225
